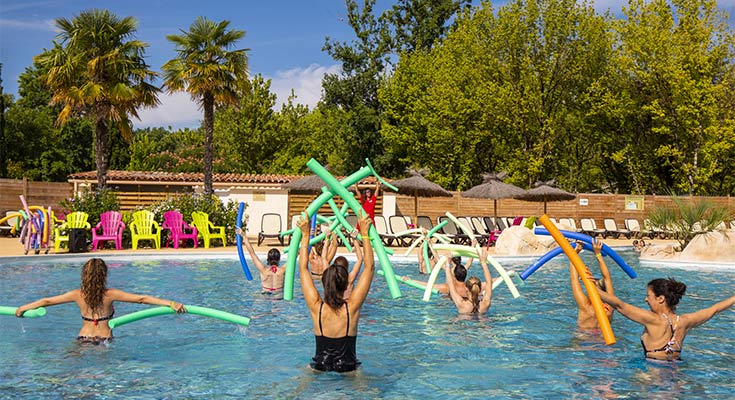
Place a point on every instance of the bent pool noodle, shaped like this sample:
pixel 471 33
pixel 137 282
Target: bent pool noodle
pixel 156 311
pixel 606 250
pixel 432 278
pixel 293 246
pixel 33 313
pixel 546 258
pixel 340 217
pixel 472 252
pixel 592 293
pixel 461 227
pixel 238 238
pixel 433 231
pixel 413 245
pixel 377 242
pixel 410 282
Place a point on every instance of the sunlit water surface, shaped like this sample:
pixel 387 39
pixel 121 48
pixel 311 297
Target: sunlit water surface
pixel 523 348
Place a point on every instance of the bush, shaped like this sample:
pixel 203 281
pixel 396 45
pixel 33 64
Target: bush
pixel 93 203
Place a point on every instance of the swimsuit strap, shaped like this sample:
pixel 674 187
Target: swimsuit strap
pixel 96 320
pixel 348 320
pixel 321 332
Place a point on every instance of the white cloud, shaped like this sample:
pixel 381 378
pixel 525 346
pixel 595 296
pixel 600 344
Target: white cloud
pixel 176 110
pixel 306 84
pixel 46 25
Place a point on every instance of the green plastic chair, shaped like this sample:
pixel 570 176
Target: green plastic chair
pixel 145 227
pixel 75 220
pixel 207 230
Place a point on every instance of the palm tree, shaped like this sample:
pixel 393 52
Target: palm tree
pixel 97 68
pixel 687 219
pixel 210 72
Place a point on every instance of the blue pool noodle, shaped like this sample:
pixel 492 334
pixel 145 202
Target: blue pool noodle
pixel 606 250
pixel 238 224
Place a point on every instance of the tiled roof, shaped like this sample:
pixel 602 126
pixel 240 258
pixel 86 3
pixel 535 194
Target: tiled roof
pixel 157 176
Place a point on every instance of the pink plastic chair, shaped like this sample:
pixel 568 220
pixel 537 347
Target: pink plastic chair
pixel 110 227
pixel 177 227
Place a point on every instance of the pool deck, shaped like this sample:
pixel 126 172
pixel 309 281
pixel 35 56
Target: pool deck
pixel 11 247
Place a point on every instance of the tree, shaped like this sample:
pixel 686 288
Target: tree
pixel 207 69
pixel 689 218
pixel 96 67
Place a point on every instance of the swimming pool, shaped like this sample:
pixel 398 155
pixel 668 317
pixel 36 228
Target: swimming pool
pixel 523 348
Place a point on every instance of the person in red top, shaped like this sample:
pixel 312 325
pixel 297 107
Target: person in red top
pixel 369 199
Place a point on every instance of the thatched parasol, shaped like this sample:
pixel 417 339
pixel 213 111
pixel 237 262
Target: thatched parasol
pixel 418 186
pixel 494 188
pixel 543 191
pixel 307 184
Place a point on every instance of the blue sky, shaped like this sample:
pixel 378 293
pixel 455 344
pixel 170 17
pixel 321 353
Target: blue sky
pixel 285 38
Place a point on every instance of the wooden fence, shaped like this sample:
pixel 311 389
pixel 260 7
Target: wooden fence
pixel 36 193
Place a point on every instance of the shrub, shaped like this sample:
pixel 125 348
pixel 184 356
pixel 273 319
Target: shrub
pixel 219 214
pixel 93 203
pixel 688 219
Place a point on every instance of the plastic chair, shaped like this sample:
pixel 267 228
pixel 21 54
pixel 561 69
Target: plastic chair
pixel 207 230
pixel 270 227
pixel 145 227
pixel 178 229
pixel 75 220
pixel 110 227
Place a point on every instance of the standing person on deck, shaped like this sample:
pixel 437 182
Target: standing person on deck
pixel 271 277
pixel 369 199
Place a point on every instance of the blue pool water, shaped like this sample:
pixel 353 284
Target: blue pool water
pixel 524 348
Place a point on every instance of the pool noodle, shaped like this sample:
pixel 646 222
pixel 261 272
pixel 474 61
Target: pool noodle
pixel 238 238
pixel 339 189
pixel 156 311
pixel 410 282
pixel 606 250
pixel 432 278
pixel 461 227
pixel 546 258
pixel 33 313
pixel 592 293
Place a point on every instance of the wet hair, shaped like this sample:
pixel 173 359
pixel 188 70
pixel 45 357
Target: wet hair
pixel 94 283
pixel 274 257
pixel 318 247
pixel 342 261
pixel 460 273
pixel 457 261
pixel 671 289
pixel 600 283
pixel 474 287
pixel 335 280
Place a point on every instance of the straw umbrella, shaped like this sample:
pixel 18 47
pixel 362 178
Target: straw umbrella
pixel 307 184
pixel 543 191
pixel 494 188
pixel 418 186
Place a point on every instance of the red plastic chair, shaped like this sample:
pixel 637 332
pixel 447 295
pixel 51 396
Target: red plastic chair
pixel 177 227
pixel 110 227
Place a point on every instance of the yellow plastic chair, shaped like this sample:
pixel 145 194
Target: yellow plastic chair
pixel 207 230
pixel 75 220
pixel 145 227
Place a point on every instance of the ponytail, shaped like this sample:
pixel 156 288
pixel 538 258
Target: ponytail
pixel 670 288
pixel 474 286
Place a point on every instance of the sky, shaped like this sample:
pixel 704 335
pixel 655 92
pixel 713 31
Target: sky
pixel 285 38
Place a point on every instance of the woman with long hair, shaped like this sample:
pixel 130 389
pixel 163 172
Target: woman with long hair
pixel 663 330
pixel 95 302
pixel 478 295
pixel 335 326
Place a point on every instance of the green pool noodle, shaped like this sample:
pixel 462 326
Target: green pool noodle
pixel 432 277
pixel 472 252
pixel 34 313
pixel 348 198
pixel 156 311
pixel 293 246
pixel 410 282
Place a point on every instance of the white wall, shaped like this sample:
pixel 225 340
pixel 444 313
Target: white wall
pixel 258 202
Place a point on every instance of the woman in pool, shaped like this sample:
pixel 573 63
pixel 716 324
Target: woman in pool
pixel 271 277
pixel 95 302
pixel 322 254
pixel 586 318
pixel 471 303
pixel 335 326
pixel 663 330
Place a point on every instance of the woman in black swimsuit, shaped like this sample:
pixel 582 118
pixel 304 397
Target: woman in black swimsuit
pixel 95 302
pixel 335 326
pixel 664 330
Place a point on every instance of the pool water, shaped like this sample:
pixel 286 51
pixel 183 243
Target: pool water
pixel 523 348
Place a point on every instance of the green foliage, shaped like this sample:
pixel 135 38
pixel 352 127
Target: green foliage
pixel 689 218
pixel 157 149
pixel 219 214
pixel 96 69
pixel 93 203
pixel 207 69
